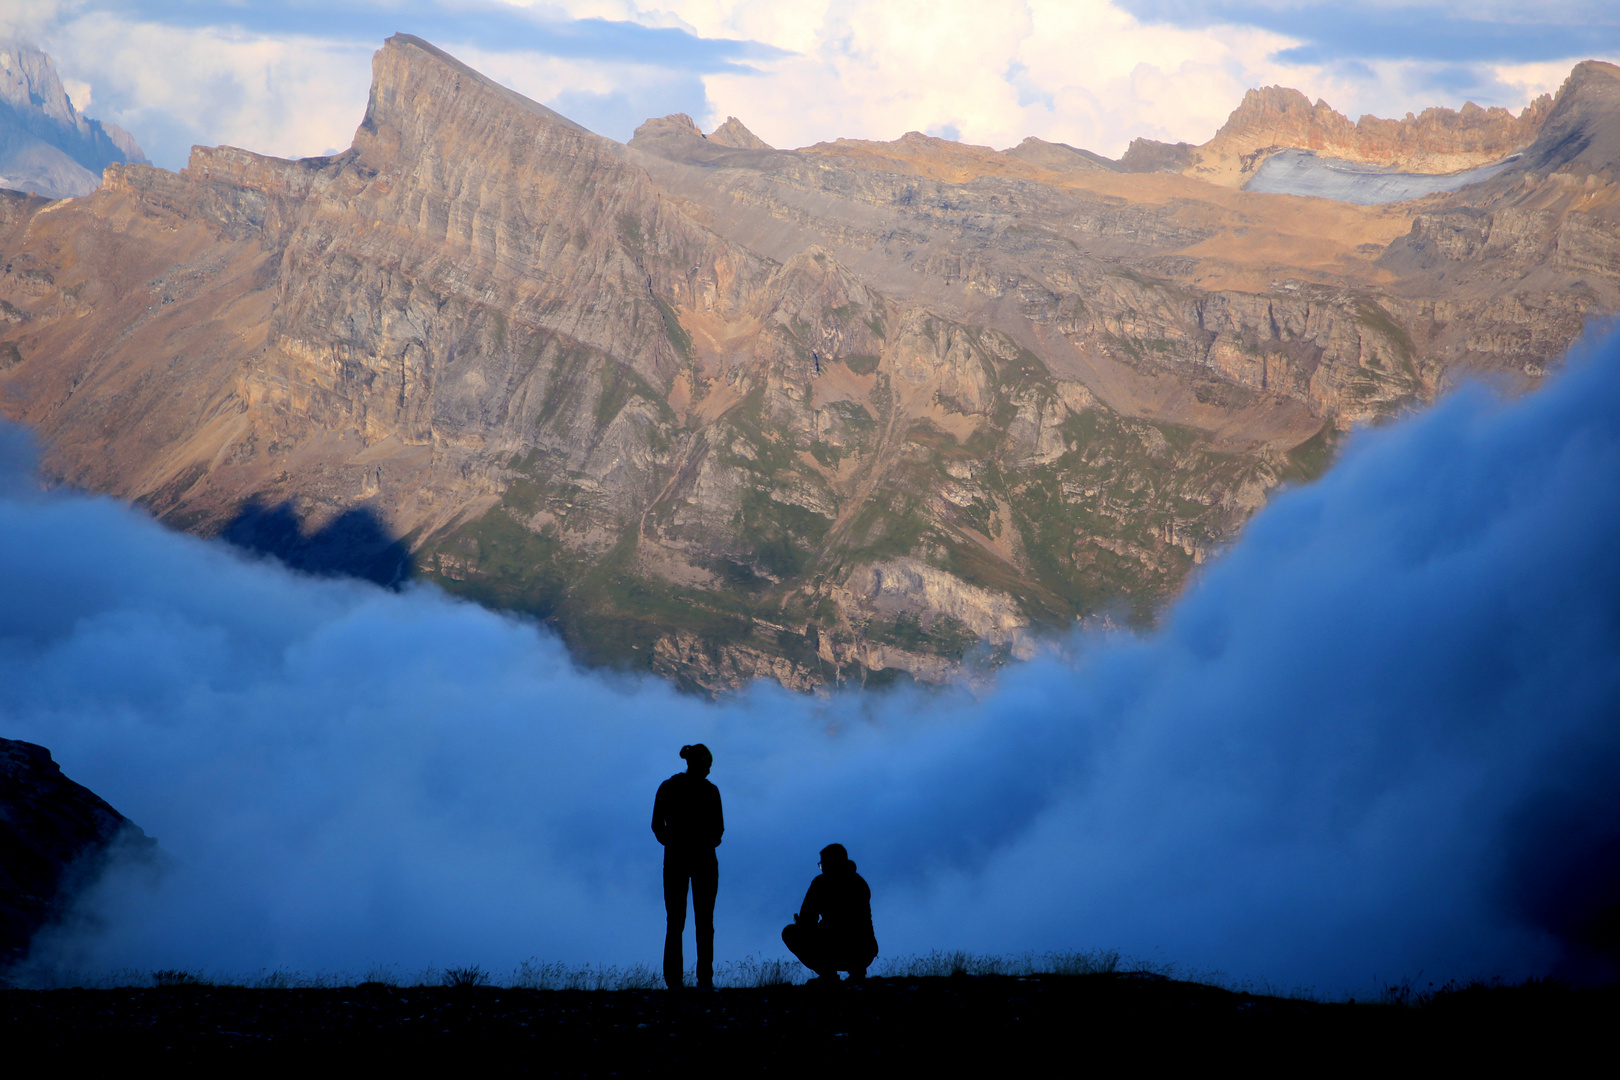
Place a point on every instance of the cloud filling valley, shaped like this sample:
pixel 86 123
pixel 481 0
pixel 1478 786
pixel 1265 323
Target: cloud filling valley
pixel 1376 739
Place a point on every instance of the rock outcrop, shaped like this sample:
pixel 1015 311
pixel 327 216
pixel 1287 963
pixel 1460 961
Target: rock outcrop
pixel 55 838
pixel 1151 155
pixel 46 145
pixel 722 411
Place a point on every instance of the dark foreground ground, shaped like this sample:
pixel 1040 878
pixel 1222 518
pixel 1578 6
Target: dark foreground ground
pixel 1038 1024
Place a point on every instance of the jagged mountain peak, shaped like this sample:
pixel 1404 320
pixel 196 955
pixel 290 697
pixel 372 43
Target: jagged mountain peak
pixel 46 144
pixel 418 88
pixel 676 124
pixel 422 57
pixel 1263 102
pixel 1582 128
pixel 734 134
pixel 28 79
pixel 677 137
pixel 1592 71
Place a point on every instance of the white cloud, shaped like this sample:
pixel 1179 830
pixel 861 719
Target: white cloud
pixel 28 19
pixel 610 98
pixel 174 86
pixel 1078 71
pixel 78 92
pixel 1529 81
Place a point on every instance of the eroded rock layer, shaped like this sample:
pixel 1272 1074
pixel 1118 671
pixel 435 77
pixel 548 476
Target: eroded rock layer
pixel 724 411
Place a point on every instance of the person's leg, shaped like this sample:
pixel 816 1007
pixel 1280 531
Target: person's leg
pixel 675 879
pixel 801 942
pixel 853 959
pixel 705 884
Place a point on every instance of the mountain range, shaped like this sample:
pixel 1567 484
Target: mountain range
pixel 852 412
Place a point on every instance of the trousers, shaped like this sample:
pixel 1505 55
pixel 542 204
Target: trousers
pixel 824 953
pixel 701 871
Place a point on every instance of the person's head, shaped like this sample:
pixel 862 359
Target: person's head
pixel 698 759
pixel 834 858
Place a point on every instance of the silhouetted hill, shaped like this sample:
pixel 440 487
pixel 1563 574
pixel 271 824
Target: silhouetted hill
pixel 951 1026
pixel 53 837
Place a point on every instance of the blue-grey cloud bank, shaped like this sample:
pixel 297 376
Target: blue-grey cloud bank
pixel 1376 739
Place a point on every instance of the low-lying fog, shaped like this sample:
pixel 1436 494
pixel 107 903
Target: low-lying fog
pixel 1377 739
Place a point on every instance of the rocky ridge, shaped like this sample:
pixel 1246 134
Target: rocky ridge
pixel 1435 141
pixel 723 411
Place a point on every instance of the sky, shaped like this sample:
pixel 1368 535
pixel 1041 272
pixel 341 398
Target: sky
pixel 290 78
pixel 1374 741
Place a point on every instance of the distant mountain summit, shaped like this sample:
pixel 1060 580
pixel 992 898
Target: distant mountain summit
pixel 46 145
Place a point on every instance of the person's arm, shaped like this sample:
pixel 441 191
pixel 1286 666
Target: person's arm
pixel 659 821
pixel 719 819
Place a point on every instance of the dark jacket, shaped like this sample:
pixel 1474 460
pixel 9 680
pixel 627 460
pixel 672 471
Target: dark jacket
pixel 686 814
pixel 842 901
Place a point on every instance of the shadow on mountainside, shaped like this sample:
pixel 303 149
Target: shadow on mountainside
pixel 356 543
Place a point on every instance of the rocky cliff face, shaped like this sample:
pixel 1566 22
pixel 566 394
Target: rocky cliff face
pixel 724 411
pixel 46 145
pixel 55 837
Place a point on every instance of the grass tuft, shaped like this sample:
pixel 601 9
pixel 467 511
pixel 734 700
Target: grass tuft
pixel 751 972
pixel 534 975
pixel 465 977
pixel 956 962
pixel 279 979
pixel 757 973
pixel 174 977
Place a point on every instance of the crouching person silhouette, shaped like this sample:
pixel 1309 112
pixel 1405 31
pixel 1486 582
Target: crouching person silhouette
pixel 833 930
pixel 687 820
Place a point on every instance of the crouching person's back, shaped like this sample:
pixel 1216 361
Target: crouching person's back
pixel 833 930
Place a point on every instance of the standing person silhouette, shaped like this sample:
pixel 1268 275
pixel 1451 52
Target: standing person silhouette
pixel 688 822
pixel 833 930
